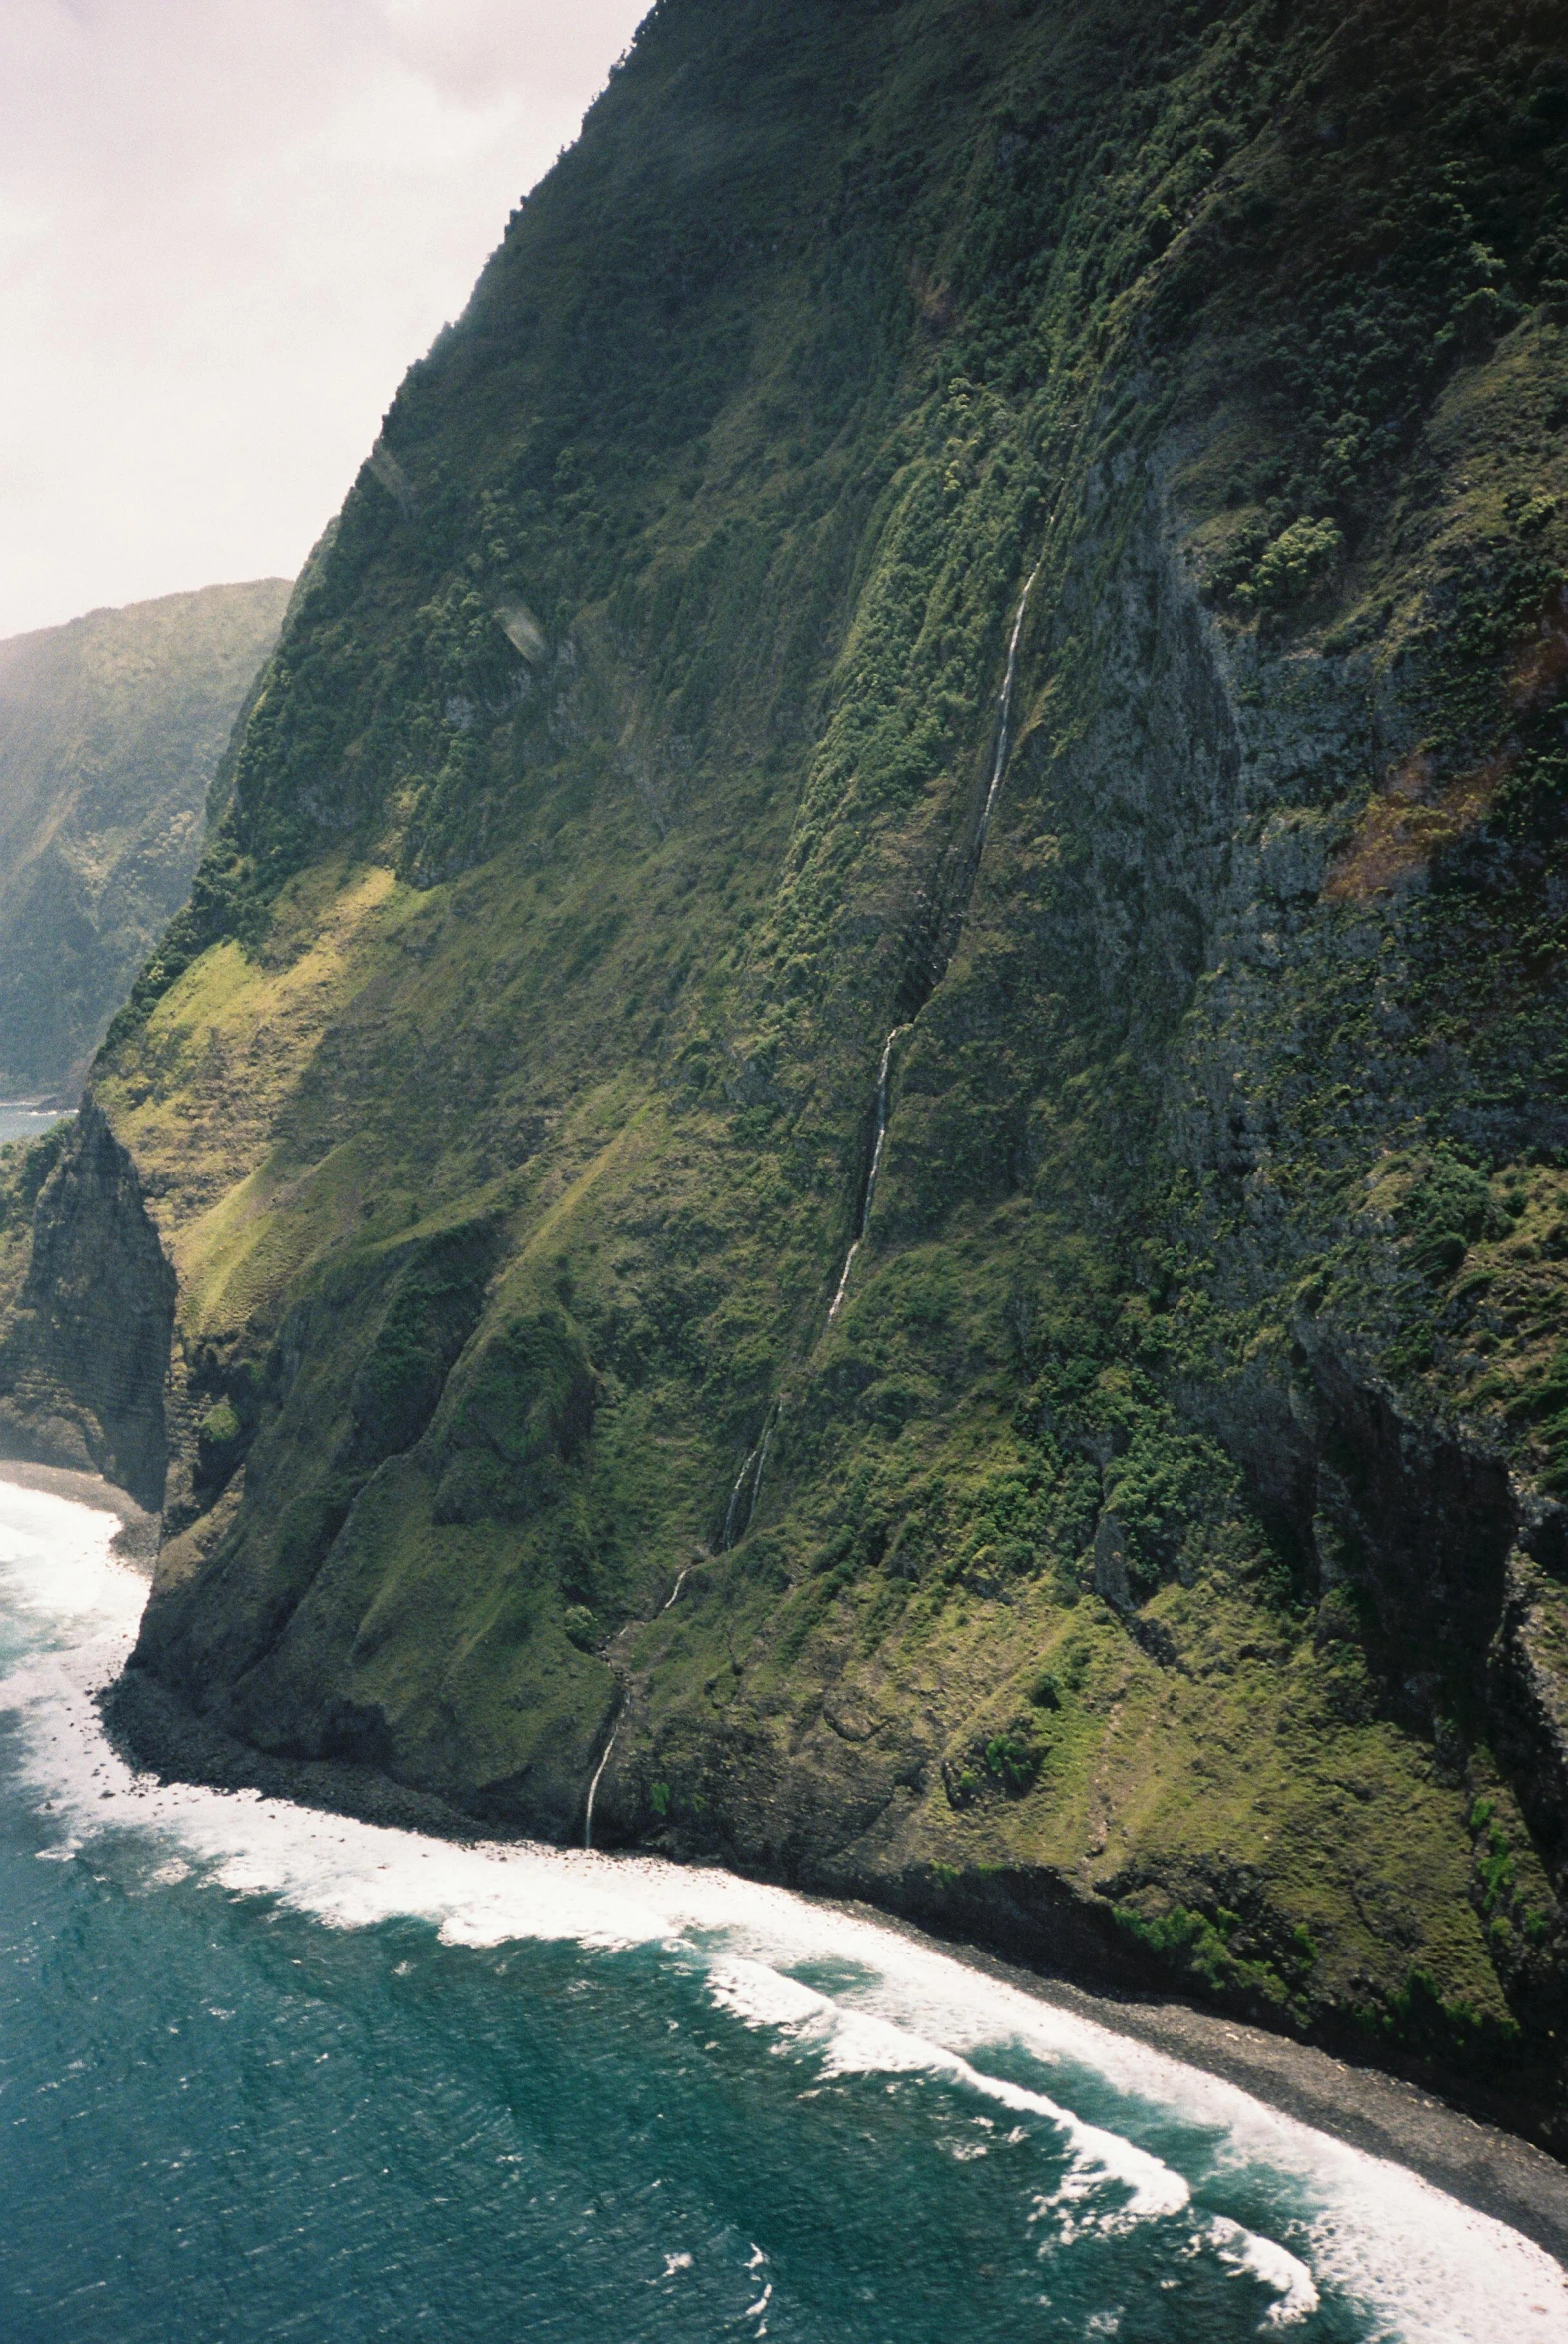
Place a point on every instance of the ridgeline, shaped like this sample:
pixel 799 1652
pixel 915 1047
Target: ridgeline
pixel 112 731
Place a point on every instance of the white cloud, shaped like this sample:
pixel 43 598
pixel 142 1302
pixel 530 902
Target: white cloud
pixel 225 231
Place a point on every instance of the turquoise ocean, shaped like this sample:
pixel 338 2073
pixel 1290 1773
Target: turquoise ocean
pixel 267 2073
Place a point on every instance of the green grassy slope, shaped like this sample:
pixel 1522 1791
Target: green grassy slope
pixel 111 730
pixel 1158 1559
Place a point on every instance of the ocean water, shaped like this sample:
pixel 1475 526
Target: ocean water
pixel 267 2073
pixel 25 1123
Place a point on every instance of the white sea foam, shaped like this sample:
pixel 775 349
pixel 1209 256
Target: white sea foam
pixel 1290 2280
pixel 55 1561
pixel 852 2044
pixel 1428 2267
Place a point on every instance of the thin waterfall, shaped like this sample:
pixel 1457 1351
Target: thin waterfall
pixel 675 1590
pixel 728 1540
pixel 1005 710
pixel 752 1471
pixel 863 1217
pixel 998 768
pixel 587 1823
pixel 769 1427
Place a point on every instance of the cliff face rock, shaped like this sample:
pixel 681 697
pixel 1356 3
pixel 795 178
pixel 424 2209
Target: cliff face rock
pixel 111 730
pixel 1147 1550
pixel 85 1349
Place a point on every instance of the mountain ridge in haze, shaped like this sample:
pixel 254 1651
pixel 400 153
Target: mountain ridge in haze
pixel 111 730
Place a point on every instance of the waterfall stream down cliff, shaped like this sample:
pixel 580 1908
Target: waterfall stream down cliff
pixel 752 1471
pixel 587 1820
pixel 880 1126
pixel 1004 714
pixel 869 1190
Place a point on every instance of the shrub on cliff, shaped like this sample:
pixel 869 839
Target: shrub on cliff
pixel 1300 560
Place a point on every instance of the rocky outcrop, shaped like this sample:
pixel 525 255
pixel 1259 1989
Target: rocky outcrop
pixel 85 1351
pixel 1527 1670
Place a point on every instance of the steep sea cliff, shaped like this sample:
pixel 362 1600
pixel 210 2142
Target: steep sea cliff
pixel 668 849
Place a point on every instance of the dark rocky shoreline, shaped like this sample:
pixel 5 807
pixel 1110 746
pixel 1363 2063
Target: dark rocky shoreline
pixel 1478 2162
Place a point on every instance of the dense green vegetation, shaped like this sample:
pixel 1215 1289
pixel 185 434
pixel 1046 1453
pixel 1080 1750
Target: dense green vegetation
pixel 111 734
pixel 1156 1561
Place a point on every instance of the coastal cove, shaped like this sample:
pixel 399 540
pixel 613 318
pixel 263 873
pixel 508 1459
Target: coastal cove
pixel 609 2094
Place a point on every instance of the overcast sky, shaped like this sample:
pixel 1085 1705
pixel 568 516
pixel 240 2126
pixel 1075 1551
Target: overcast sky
pixel 227 226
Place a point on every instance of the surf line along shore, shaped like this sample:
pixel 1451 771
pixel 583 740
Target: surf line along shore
pixel 1483 2167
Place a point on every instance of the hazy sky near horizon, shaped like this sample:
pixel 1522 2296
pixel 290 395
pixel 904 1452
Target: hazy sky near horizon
pixel 225 231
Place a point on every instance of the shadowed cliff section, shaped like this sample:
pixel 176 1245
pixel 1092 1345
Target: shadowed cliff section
pixel 1156 1561
pixel 85 1350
